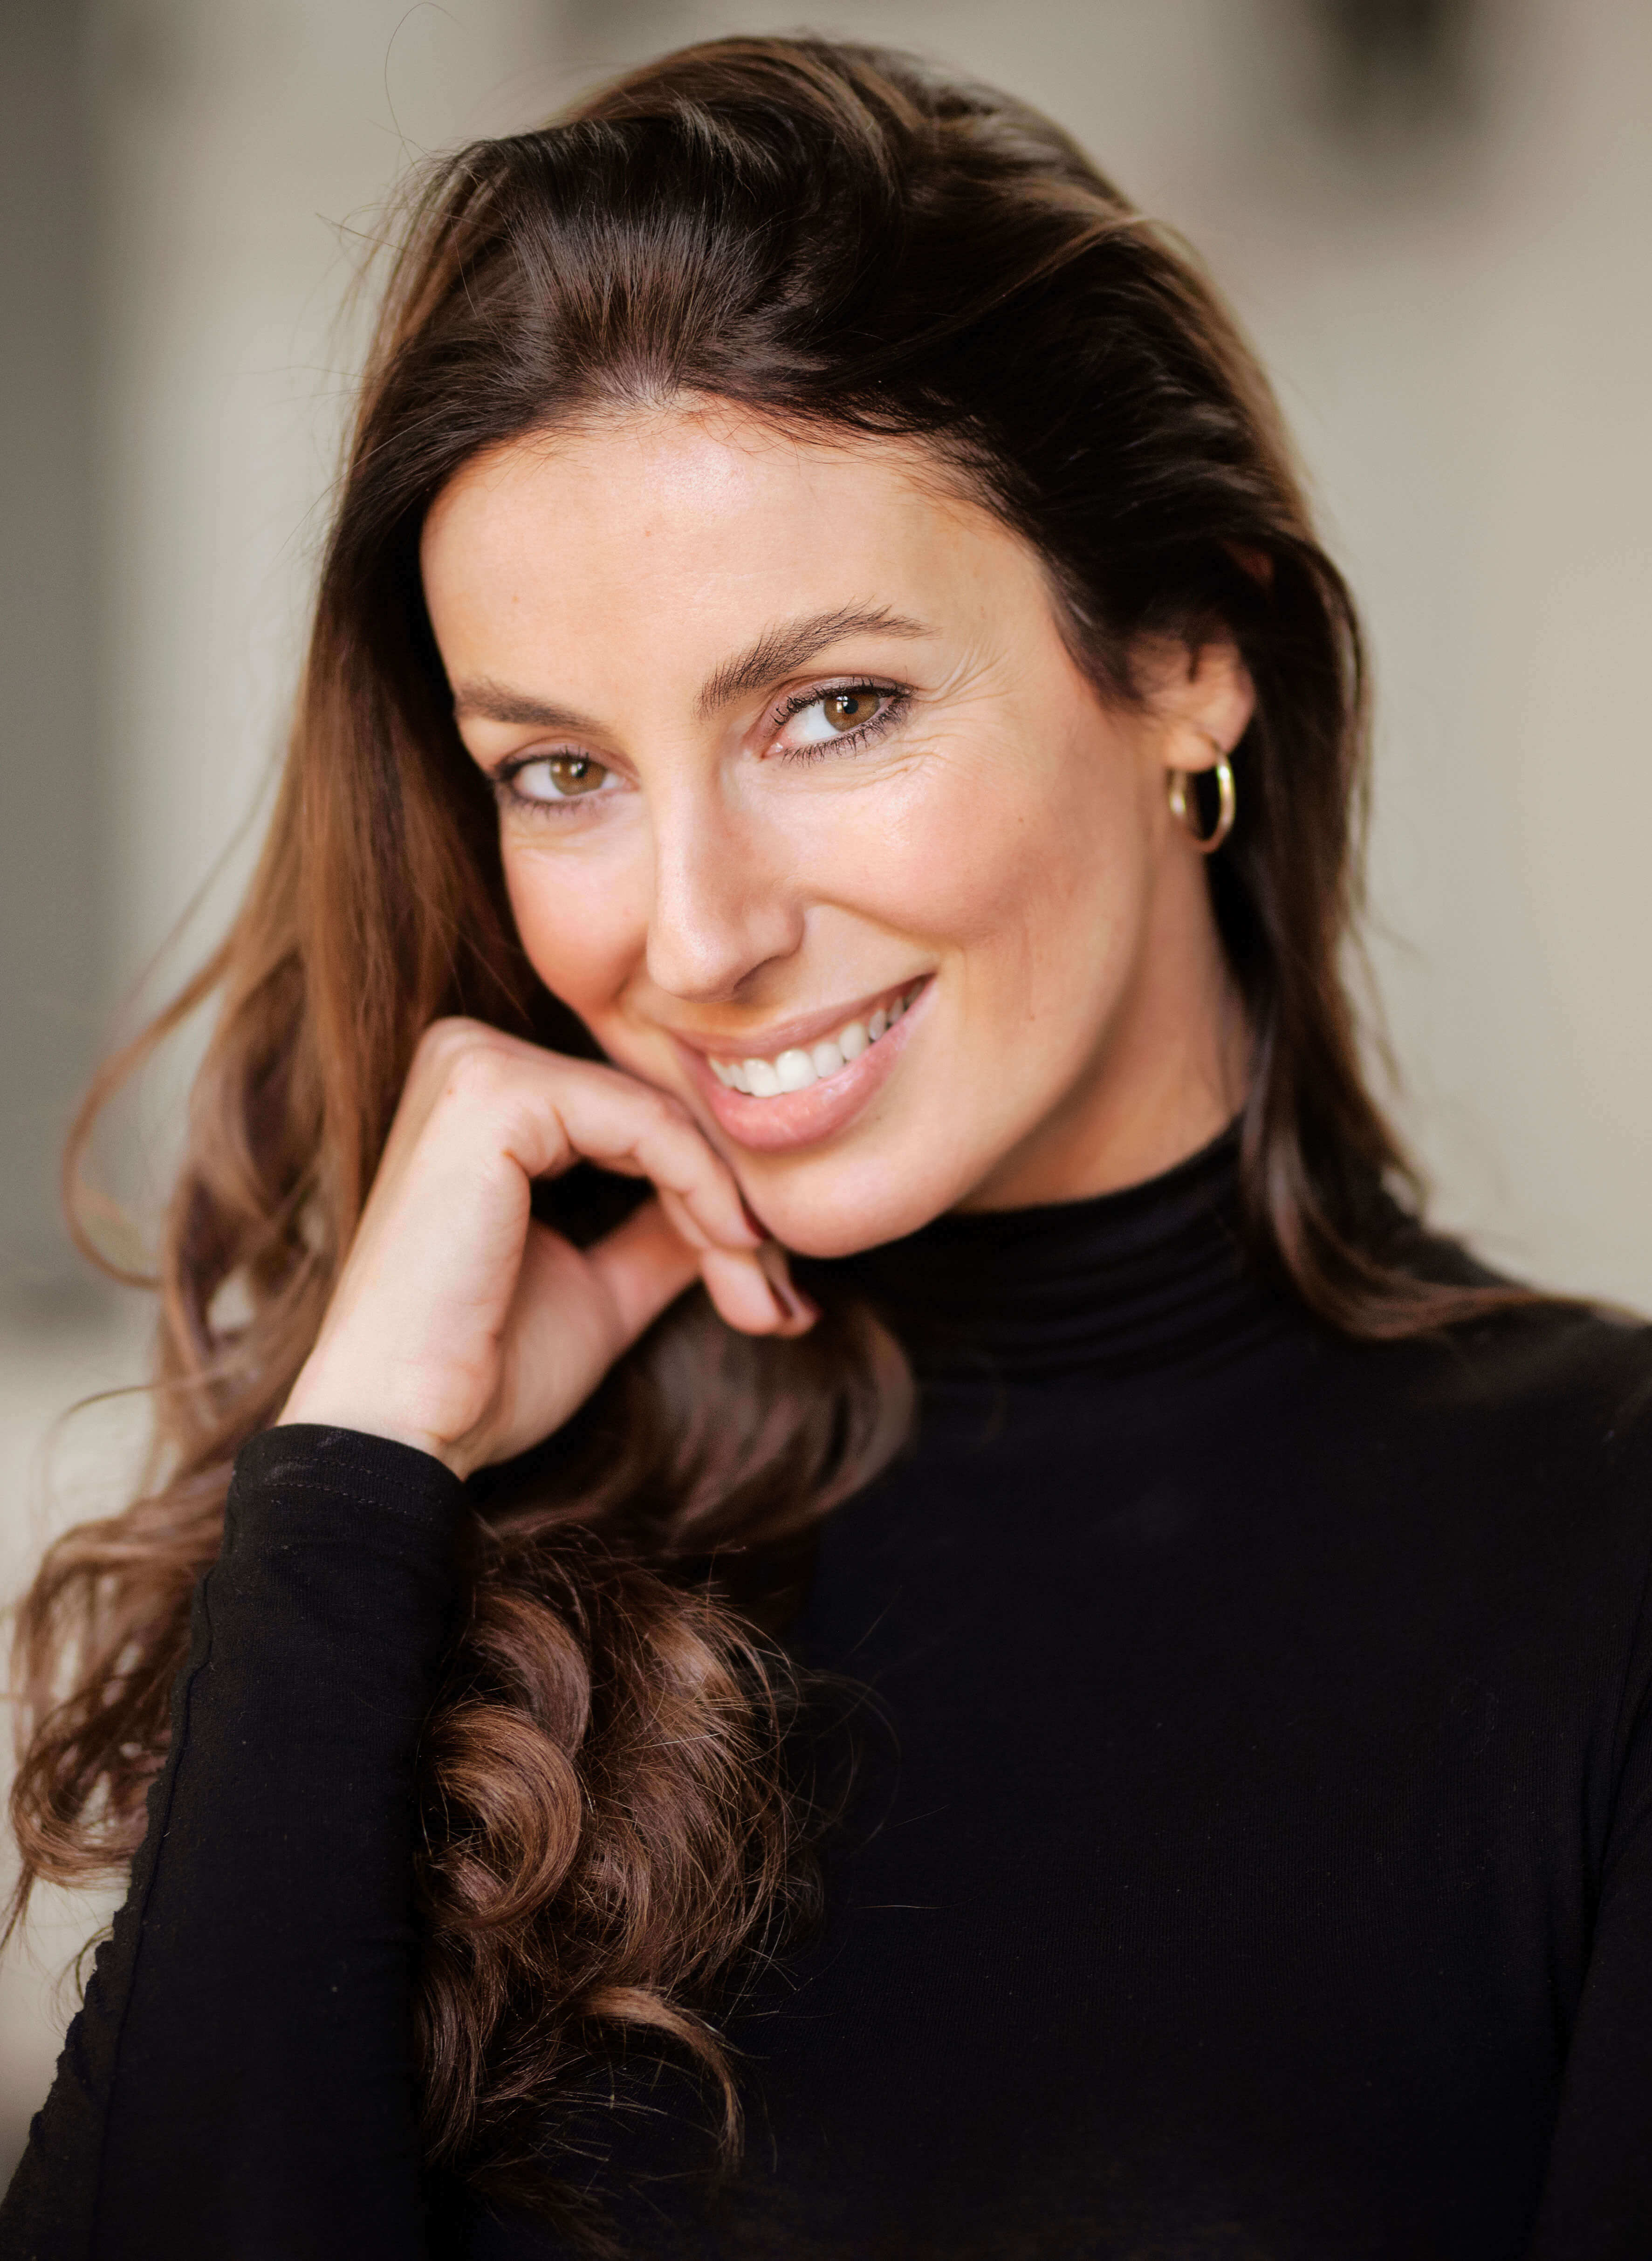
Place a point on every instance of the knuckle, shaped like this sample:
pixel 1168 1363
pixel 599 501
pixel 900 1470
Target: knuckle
pixel 444 1040
pixel 476 1075
pixel 662 1110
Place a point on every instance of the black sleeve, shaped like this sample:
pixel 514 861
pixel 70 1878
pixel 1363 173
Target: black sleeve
pixel 238 2078
pixel 1598 2194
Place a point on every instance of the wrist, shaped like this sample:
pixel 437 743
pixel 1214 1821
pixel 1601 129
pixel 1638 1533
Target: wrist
pixel 318 1407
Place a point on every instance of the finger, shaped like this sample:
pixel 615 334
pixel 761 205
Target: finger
pixel 786 1310
pixel 670 1149
pixel 739 1288
pixel 801 1310
pixel 682 1219
pixel 557 1109
pixel 645 1264
pixel 642 1266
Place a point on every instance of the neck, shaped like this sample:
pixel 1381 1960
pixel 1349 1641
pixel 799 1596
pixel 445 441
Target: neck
pixel 1132 1282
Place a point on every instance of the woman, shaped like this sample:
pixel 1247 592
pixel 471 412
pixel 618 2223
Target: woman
pixel 825 704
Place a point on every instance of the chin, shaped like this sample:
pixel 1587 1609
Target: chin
pixel 834 1205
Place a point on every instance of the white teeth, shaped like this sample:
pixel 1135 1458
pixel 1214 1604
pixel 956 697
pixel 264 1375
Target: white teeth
pixel 794 1070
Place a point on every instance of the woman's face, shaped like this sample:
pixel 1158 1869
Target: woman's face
pixel 808 813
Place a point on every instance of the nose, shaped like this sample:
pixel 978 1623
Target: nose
pixel 724 900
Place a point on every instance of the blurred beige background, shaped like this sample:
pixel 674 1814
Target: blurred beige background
pixel 1433 216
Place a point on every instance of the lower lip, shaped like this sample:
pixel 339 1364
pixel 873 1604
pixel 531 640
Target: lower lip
pixel 801 1118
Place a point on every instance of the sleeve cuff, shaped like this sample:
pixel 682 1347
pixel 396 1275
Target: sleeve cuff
pixel 393 1479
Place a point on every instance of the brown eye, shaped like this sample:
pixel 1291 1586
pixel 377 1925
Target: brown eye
pixel 575 773
pixel 557 776
pixel 850 716
pixel 847 710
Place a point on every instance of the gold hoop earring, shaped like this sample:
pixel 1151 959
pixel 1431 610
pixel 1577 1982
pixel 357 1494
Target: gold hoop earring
pixel 1181 807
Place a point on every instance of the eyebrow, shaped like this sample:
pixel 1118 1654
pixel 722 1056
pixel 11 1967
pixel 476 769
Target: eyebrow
pixel 778 651
pixel 794 643
pixel 497 702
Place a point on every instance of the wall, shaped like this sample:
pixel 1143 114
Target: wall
pixel 54 844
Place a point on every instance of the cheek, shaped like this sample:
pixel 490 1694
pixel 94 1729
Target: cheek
pixel 580 926
pixel 1027 864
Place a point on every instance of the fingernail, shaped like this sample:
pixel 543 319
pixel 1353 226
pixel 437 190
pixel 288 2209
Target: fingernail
pixel 802 1309
pixel 798 1309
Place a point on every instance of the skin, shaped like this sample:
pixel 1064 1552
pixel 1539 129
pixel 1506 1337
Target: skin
pixel 720 834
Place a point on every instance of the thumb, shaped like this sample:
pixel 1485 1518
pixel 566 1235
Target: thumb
pixel 647 1262
pixel 642 1266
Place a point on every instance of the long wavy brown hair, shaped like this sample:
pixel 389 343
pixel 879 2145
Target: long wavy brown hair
pixel 831 236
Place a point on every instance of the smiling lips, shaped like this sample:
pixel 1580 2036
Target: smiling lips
pixel 805 1092
pixel 799 1067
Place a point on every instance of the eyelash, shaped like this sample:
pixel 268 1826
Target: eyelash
pixel 896 699
pixel 503 784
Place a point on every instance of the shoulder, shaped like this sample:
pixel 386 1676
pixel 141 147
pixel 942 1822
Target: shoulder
pixel 1564 1359
pixel 1493 1480
pixel 1531 1427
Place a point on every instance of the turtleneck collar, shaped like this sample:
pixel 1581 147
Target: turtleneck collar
pixel 1116 1284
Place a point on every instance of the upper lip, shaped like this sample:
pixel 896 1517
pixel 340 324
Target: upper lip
pixel 785 1035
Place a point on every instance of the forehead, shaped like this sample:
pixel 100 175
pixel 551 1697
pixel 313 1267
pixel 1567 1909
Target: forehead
pixel 712 462
pixel 656 521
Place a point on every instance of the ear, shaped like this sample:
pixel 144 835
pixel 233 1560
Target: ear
pixel 1201 700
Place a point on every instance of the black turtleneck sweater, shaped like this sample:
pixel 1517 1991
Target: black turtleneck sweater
pixel 1256 1864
